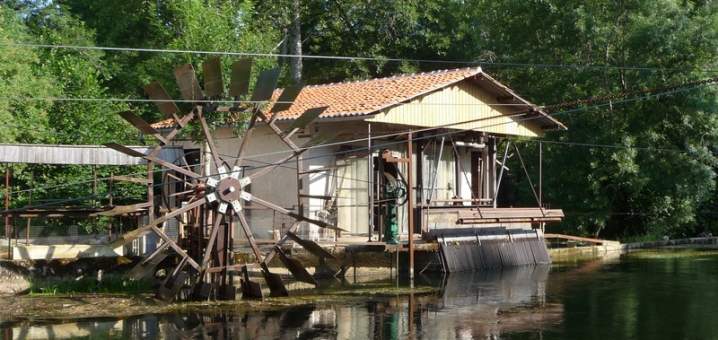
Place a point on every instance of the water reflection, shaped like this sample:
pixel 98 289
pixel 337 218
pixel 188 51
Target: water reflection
pixel 469 305
pixel 649 295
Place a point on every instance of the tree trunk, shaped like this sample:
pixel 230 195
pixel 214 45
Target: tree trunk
pixel 295 43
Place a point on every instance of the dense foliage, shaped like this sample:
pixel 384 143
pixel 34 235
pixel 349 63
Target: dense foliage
pixel 654 174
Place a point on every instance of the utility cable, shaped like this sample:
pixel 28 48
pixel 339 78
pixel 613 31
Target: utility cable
pixel 379 146
pixel 352 58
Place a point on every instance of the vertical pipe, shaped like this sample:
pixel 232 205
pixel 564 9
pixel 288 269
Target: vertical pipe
pixel 501 173
pixel 370 184
pixel 540 193
pixel 436 171
pixel 492 168
pixel 420 184
pixel 380 179
pixel 300 187
pixel 457 171
pixel 8 229
pixel 410 202
pixel 485 170
pixel 540 189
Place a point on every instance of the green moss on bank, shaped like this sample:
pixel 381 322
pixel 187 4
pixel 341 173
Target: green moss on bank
pixel 110 284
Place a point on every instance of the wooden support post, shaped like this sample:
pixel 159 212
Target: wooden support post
pixel 111 203
pixel 8 227
pixel 420 145
pixel 150 192
pixel 370 183
pixel 29 219
pixel 94 185
pixel 484 170
pixel 410 207
pixel 150 198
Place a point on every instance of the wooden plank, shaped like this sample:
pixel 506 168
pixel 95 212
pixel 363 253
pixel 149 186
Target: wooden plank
pixel 124 209
pixel 307 117
pixel 310 246
pixel 120 178
pixel 266 83
pixel 142 125
pixel 176 248
pixel 131 235
pixel 213 85
pixel 187 82
pixel 162 99
pixel 285 100
pixel 295 267
pixel 239 82
pixel 576 238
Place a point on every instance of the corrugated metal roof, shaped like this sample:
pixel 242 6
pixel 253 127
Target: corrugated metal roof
pixel 78 154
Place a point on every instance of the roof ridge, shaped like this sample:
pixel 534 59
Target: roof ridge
pixel 395 76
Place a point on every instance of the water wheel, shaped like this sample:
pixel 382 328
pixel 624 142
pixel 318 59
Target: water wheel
pixel 204 265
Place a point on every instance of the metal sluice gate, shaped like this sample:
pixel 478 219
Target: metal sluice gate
pixel 467 249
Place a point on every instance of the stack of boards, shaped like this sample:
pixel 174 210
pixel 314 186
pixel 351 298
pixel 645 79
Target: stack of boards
pixel 467 249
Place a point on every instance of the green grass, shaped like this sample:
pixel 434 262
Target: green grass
pixel 111 284
pixel 672 253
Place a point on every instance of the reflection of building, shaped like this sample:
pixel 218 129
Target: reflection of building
pixel 470 305
pixel 145 327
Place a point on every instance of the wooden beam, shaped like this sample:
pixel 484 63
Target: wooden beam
pixel 120 178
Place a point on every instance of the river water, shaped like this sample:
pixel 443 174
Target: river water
pixel 644 295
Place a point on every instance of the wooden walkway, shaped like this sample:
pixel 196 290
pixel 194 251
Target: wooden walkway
pixel 578 239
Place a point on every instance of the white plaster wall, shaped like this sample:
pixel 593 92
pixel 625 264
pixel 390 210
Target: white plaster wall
pixel 280 185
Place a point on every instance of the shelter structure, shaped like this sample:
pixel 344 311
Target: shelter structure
pixel 27 238
pixel 451 168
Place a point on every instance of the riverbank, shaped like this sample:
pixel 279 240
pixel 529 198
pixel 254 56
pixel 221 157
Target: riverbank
pixel 611 249
pixel 37 308
pixel 64 305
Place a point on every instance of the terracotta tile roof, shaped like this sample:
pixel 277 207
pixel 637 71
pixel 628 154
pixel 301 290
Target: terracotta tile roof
pixel 365 97
pixel 369 96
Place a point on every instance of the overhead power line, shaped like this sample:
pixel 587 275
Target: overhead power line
pixel 144 100
pixel 383 145
pixel 520 117
pixel 354 58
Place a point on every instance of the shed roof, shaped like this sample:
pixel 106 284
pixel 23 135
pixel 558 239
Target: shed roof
pixel 366 97
pixel 78 154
